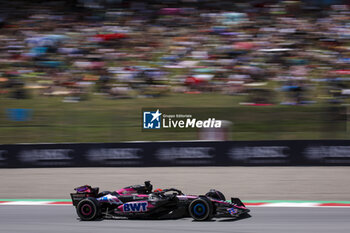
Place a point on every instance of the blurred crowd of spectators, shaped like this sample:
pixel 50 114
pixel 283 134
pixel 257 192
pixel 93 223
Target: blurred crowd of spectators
pixel 274 52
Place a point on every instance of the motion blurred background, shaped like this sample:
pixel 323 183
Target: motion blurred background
pixel 75 76
pixel 81 70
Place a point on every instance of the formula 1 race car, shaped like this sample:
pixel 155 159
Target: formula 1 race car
pixel 141 202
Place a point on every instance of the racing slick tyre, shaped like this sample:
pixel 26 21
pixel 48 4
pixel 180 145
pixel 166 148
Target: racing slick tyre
pixel 88 209
pixel 213 193
pixel 201 209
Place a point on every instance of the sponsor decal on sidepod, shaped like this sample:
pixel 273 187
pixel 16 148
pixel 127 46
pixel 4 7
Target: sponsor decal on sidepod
pixel 135 206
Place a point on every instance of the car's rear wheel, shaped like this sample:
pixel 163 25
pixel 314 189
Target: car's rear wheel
pixel 88 209
pixel 201 209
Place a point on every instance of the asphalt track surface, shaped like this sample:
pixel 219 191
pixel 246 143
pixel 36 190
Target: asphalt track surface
pixel 247 183
pixel 58 219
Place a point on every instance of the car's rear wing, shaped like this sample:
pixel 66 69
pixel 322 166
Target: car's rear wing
pixel 83 192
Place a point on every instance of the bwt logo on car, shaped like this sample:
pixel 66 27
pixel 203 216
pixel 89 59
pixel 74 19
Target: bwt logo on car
pixel 135 207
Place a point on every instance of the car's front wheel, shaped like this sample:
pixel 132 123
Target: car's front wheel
pixel 88 209
pixel 201 209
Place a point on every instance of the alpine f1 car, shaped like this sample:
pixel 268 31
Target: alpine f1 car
pixel 141 202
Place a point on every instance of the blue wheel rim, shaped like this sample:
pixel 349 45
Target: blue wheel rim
pixel 199 209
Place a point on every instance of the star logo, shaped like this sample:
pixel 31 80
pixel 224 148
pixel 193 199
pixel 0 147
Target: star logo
pixel 151 119
pixel 156 115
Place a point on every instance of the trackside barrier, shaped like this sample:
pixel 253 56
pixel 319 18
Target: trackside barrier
pixel 148 154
